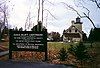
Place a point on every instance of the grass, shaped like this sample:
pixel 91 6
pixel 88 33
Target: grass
pixel 58 45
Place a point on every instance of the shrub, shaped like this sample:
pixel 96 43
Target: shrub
pixel 79 51
pixel 63 54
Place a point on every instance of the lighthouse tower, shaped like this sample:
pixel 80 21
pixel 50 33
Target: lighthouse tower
pixel 78 24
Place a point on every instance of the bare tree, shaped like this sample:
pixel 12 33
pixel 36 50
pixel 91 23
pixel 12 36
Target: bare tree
pixel 3 15
pixel 85 15
pixel 43 9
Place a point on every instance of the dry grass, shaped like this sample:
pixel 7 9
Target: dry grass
pixel 5 44
pixel 4 58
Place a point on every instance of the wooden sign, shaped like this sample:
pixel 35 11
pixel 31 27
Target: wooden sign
pixel 28 41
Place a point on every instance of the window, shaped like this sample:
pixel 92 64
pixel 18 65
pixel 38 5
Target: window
pixel 75 30
pixel 69 30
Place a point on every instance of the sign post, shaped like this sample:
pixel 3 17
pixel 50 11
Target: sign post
pixel 28 41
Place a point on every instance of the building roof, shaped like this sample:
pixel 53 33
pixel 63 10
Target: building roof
pixel 73 35
pixel 72 26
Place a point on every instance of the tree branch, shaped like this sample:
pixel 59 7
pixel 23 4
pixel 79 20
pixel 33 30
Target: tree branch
pixel 90 20
pixel 97 2
pixel 50 2
pixel 81 5
pixel 85 15
pixel 51 14
pixel 3 2
pixel 73 9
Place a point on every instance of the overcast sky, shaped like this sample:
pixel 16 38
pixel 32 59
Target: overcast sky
pixel 63 16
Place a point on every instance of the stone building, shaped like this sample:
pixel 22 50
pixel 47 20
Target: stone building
pixel 74 32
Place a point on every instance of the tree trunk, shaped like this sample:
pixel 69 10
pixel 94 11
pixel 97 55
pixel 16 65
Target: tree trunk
pixel 81 64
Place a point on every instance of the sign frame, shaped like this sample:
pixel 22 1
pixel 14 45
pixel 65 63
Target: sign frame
pixel 40 41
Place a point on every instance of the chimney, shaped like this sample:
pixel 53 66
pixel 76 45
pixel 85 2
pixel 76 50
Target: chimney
pixel 72 22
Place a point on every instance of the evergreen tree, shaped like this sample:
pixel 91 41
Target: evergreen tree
pixel 90 35
pixel 94 34
pixel 63 54
pixel 84 37
pixel 16 29
pixel 21 29
pixel 80 52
